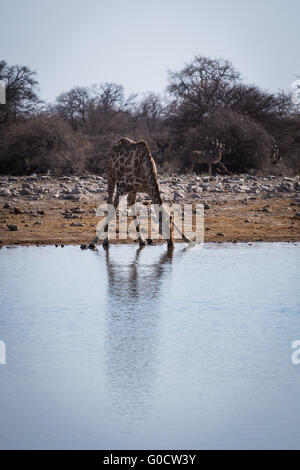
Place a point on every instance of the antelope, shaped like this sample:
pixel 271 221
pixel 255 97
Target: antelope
pixel 209 156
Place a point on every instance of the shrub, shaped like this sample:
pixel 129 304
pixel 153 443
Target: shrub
pixel 42 144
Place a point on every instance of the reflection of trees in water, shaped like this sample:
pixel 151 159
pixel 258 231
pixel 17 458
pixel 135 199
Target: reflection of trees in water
pixel 132 330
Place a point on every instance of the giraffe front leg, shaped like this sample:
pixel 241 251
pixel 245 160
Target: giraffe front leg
pixel 141 240
pixel 111 215
pixel 132 209
pixel 93 243
pixel 171 239
pixel 105 243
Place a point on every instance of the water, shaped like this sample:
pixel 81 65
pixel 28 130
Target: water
pixel 142 349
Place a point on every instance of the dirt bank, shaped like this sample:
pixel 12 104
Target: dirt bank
pixel 228 219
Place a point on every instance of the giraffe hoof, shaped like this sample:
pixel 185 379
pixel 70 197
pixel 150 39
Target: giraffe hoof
pixel 150 241
pixel 92 246
pixel 142 243
pixel 105 243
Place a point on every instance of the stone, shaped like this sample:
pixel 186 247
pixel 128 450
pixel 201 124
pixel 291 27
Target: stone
pixel 297 186
pixel 78 210
pixel 24 192
pixel 5 193
pixel 12 228
pixel 77 224
pixel 17 210
pixel 77 190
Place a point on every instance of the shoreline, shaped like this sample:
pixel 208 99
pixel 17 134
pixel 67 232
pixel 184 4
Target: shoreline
pixel 48 211
pixel 135 244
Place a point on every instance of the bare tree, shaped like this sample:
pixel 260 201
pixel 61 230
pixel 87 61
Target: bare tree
pixel 74 105
pixel 21 92
pixel 203 83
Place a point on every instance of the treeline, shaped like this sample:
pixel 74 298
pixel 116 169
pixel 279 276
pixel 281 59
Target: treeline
pixel 204 101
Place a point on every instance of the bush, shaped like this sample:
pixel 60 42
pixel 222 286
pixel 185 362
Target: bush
pixel 42 144
pixel 247 144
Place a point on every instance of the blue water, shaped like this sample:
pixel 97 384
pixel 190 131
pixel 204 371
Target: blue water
pixel 147 349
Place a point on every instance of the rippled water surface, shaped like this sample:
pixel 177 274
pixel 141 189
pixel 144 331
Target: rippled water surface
pixel 148 349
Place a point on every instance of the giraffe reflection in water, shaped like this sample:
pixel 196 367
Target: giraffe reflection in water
pixel 132 329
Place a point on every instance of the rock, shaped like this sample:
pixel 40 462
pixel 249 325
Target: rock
pixel 7 205
pixel 40 211
pixel 285 186
pixel 5 193
pixel 297 186
pixel 78 210
pixel 72 197
pixel 266 188
pixel 77 190
pixel 217 189
pixel 77 224
pixel 27 186
pixel 83 246
pixel 24 192
pixel 38 223
pixel 12 228
pixel 297 215
pixel 245 188
pixel 17 210
pixel 220 234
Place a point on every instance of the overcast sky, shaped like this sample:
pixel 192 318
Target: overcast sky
pixel 135 42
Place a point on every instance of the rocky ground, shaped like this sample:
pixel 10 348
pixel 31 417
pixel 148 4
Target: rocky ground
pixel 61 210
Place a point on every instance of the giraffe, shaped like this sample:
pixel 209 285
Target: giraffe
pixel 131 169
pixel 210 157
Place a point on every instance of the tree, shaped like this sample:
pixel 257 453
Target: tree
pixel 203 84
pixel 74 105
pixel 21 92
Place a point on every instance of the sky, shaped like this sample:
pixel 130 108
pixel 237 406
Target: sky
pixel 135 42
